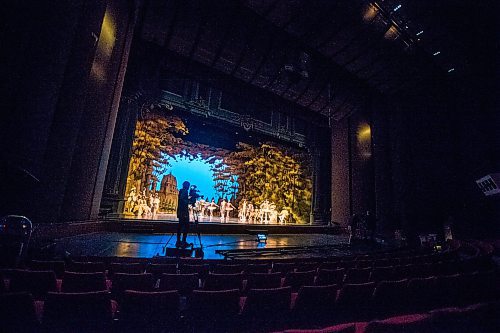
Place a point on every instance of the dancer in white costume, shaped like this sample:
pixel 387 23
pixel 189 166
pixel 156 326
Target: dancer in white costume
pixel 283 215
pixel 155 206
pixel 211 207
pixel 229 209
pixel 250 213
pixel 242 214
pixel 264 212
pixel 131 199
pixel 223 210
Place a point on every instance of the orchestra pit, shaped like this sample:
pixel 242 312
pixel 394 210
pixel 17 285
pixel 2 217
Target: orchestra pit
pixel 250 166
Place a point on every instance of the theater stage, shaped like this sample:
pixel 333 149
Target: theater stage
pixel 140 245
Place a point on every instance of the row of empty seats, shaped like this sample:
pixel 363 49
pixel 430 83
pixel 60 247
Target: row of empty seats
pixel 312 305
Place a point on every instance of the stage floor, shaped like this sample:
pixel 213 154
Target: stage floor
pixel 150 245
pixel 164 217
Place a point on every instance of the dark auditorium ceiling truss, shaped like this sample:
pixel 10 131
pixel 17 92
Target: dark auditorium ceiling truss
pixel 326 56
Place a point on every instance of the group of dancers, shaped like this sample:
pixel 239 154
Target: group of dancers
pixel 265 213
pixel 142 204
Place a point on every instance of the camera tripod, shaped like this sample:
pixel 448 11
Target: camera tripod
pixel 193 229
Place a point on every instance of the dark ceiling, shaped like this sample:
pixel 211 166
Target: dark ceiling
pixel 326 56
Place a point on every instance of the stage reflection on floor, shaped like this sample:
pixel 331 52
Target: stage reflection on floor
pixel 149 245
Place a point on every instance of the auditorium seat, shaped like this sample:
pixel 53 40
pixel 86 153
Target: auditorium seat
pixel 158 269
pixel 340 328
pixel 266 309
pixel 283 267
pixel 331 265
pixel 389 298
pixel 228 269
pixel 382 273
pixel 86 267
pixel 299 279
pixel 348 264
pixel 156 311
pixel 364 263
pixel 183 283
pixel 357 275
pixel 307 266
pixel 38 283
pixel 213 311
pixel 421 293
pixel 263 280
pixel 201 269
pixel 413 323
pixel 83 282
pixel 124 281
pixel 18 313
pixel 85 312
pixel 354 301
pixel 57 266
pixel 329 277
pixel 314 306
pixel 224 281
pixel 128 268
pixel 257 268
pixel 475 318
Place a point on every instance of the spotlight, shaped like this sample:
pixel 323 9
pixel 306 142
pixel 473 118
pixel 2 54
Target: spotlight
pixel 436 53
pixel 396 8
pixel 420 32
pixel 451 70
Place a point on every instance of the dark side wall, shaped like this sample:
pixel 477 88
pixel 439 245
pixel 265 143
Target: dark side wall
pixel 428 148
pixel 62 66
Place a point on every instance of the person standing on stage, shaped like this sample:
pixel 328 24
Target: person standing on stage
pixel 223 210
pixel 183 215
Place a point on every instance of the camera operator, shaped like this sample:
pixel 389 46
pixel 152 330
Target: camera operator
pixel 183 215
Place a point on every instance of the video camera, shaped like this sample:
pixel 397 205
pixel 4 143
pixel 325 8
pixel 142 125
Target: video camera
pixel 194 194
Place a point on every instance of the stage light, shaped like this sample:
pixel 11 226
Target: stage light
pixel 396 8
pixel 420 32
pixel 370 12
pixel 392 33
pixel 436 53
pixel 451 70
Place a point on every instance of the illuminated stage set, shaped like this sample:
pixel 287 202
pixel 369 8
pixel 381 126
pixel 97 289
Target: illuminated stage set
pixel 245 170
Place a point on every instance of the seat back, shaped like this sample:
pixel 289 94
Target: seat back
pixel 267 308
pixel 228 269
pixel 357 275
pixel 183 283
pixel 149 311
pixel 257 268
pixel 158 269
pixel 57 266
pixel 263 280
pixel 314 305
pixel 283 267
pixel 214 311
pixel 422 293
pixel 224 281
pixel 85 311
pixel 128 268
pixel 414 323
pixel 389 297
pixel 83 282
pixel 86 267
pixel 123 281
pixel 17 312
pixel 382 274
pixel 202 270
pixel 38 283
pixel 299 279
pixel 328 277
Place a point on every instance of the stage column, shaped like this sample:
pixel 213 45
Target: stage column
pixel 84 190
pixel 340 194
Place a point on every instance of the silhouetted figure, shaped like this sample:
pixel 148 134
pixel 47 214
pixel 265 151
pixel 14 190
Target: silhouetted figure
pixel 183 215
